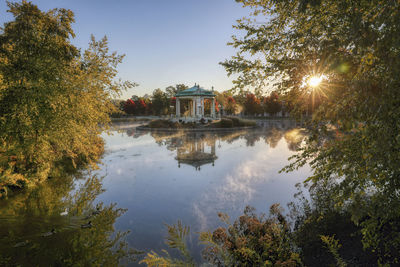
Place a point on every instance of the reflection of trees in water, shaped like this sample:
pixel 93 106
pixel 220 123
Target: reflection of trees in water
pixel 272 136
pixel 294 138
pixel 184 142
pixel 34 232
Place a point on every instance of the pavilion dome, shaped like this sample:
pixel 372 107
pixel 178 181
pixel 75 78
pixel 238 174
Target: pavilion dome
pixel 195 91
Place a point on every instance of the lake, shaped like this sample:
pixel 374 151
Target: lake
pixel 147 180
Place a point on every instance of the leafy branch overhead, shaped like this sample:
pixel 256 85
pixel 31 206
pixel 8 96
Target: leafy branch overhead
pixel 349 50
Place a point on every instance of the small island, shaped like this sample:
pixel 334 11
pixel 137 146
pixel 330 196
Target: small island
pixel 196 115
pixel 223 124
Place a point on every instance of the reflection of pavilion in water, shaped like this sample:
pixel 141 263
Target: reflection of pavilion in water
pixel 196 149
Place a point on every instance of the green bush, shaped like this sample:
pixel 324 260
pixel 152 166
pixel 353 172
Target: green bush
pixel 238 122
pixel 243 123
pixel 163 124
pixel 226 123
pixel 235 120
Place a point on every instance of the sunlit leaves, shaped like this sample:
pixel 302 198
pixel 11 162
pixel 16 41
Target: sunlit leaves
pixel 54 100
pixel 353 145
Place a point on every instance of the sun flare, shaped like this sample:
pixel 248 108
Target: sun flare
pixel 314 81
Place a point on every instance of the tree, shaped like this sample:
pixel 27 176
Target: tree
pixel 272 104
pixel 130 107
pixel 354 145
pixel 52 98
pixel 252 104
pixel 171 91
pixel 141 106
pixel 230 105
pixel 160 102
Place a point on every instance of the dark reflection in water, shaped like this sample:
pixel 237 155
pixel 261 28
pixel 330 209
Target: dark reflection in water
pixel 58 225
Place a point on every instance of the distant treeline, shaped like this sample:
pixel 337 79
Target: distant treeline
pixel 164 103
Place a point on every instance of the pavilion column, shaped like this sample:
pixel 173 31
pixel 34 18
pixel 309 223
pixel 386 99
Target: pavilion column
pixel 202 107
pixel 194 107
pixel 178 107
pixel 213 108
pixel 213 148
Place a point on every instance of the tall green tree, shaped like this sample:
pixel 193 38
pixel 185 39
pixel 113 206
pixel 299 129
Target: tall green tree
pixel 53 97
pixel 354 145
pixel 160 102
pixel 173 90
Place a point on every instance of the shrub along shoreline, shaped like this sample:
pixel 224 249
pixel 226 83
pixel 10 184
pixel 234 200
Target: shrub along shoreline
pixel 226 123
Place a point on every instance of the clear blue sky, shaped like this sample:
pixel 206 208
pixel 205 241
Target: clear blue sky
pixel 166 42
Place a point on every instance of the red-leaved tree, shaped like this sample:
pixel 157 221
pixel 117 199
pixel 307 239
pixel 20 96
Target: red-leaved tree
pixel 130 106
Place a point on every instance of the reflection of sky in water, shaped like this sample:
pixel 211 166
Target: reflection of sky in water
pixel 142 175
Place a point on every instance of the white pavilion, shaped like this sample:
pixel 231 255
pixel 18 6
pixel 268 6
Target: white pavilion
pixel 194 98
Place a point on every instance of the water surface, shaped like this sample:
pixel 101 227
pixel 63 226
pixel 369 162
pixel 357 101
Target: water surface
pixel 159 178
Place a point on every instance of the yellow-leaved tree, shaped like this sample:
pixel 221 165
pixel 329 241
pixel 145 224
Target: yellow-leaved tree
pixel 54 99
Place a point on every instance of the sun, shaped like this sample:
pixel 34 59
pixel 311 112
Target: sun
pixel 314 81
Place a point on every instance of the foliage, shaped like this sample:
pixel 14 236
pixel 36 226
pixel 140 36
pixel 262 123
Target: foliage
pixel 272 104
pixel 252 105
pixel 314 216
pixel 216 106
pixel 252 241
pixel 171 91
pixel 142 106
pixel 230 105
pixel 163 124
pixel 175 239
pixel 129 106
pixel 29 216
pixel 354 145
pixel 119 108
pixel 229 122
pixel 52 97
pixel 160 102
pixel 333 245
pixel 238 122
pixel 157 104
pixel 226 123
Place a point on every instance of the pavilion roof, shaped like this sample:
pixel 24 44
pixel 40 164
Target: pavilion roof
pixel 195 91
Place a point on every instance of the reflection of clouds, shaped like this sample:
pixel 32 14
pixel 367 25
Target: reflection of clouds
pixel 239 186
pixel 201 216
pixel 126 145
